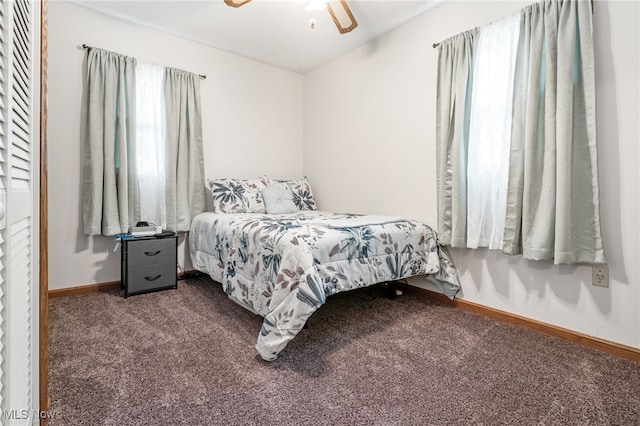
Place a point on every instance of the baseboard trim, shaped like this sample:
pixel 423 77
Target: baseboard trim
pixel 84 289
pixel 617 349
pixel 93 288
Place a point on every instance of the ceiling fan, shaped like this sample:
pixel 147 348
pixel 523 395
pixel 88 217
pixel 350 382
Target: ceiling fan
pixel 338 9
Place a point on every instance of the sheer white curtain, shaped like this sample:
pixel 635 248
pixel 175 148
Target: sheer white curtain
pixel 490 132
pixel 151 143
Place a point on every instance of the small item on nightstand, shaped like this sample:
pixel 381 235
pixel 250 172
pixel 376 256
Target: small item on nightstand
pixel 142 231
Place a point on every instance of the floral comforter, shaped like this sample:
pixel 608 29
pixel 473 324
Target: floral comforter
pixel 283 267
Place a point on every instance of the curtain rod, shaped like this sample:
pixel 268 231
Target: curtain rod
pixel 87 47
pixel 592 12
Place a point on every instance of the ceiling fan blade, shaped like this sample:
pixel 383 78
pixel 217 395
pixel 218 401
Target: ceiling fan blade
pixel 341 15
pixel 236 3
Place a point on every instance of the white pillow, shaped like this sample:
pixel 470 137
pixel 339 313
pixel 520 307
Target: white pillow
pixel 278 200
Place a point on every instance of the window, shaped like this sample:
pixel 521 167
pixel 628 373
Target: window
pixel 144 145
pixel 516 136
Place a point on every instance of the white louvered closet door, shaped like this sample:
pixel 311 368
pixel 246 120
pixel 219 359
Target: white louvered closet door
pixel 19 148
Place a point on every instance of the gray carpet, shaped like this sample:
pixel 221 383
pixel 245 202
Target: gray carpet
pixel 186 357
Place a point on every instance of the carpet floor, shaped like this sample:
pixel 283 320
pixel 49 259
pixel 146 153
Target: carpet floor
pixel 187 357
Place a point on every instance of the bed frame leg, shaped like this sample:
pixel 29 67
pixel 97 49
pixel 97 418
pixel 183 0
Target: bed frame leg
pixel 391 289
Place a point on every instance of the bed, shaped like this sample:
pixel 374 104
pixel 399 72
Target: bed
pixel 284 266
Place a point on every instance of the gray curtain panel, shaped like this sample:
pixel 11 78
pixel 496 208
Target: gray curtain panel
pixel 109 191
pixel 552 198
pixel 455 84
pixel 185 184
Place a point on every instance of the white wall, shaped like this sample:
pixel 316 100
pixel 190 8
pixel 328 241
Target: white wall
pixel 252 125
pixel 369 147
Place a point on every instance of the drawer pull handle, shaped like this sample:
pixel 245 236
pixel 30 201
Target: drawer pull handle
pixel 152 253
pixel 152 278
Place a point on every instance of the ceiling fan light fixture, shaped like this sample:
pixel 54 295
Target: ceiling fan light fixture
pixel 236 3
pixel 314 5
pixel 338 9
pixel 341 15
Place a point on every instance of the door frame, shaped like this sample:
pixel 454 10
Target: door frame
pixel 43 232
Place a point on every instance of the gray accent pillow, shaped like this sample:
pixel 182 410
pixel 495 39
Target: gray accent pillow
pixel 278 200
pixel 301 189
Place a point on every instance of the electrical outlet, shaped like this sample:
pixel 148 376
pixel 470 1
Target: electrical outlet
pixel 600 275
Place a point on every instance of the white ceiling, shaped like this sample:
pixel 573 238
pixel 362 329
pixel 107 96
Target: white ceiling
pixel 275 32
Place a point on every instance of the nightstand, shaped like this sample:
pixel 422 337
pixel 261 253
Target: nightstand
pixel 149 263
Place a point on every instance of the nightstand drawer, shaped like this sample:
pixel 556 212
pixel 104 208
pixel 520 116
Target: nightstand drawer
pixel 145 252
pixel 152 277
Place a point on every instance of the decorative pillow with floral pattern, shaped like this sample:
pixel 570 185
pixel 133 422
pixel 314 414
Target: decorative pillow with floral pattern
pixel 238 195
pixel 302 194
